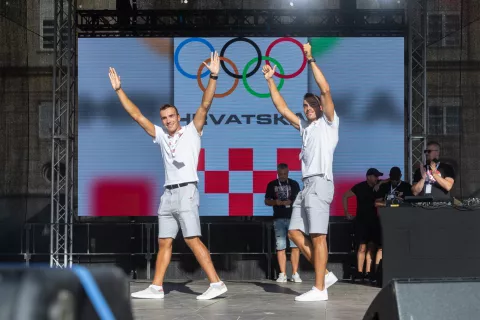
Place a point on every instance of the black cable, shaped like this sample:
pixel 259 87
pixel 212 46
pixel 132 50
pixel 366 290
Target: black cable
pixel 18 24
pixel 455 31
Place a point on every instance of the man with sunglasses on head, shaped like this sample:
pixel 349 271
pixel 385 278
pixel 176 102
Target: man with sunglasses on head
pixel 311 209
pixel 434 178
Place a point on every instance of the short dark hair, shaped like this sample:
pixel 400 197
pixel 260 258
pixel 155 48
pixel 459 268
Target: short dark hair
pixel 312 99
pixel 433 143
pixel 166 106
pixel 282 166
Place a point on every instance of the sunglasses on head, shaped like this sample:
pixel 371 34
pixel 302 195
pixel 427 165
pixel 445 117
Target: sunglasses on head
pixel 428 151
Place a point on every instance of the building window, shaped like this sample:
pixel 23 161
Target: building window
pixel 444 29
pixel 444 116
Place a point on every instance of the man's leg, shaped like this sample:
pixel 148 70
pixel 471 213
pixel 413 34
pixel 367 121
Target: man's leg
pixel 203 258
pixel 281 245
pixel 295 259
pixel 282 261
pixel 362 250
pixel 378 258
pixel 320 257
pixel 189 220
pixel 369 256
pixel 168 229
pixel 163 260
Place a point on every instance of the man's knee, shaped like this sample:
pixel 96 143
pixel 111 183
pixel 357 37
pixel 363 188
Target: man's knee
pixel 193 241
pixel 294 234
pixel 362 248
pixel 318 239
pixel 165 243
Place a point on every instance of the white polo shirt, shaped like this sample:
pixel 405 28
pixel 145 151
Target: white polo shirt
pixel 180 153
pixel 319 140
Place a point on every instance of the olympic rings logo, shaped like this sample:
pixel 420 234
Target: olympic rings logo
pixel 245 74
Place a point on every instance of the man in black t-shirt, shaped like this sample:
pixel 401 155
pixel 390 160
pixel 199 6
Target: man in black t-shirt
pixel 281 194
pixel 367 224
pixel 393 190
pixel 434 179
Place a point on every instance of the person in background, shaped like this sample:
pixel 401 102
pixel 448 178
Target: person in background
pixel 280 195
pixel 434 178
pixel 367 224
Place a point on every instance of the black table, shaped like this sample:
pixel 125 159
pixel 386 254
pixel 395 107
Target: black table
pixel 428 243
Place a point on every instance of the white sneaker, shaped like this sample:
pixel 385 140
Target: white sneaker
pixel 296 278
pixel 330 280
pixel 213 292
pixel 149 293
pixel 313 295
pixel 282 277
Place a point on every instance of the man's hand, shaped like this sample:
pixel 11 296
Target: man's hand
pixel 433 167
pixel 307 49
pixel 268 72
pixel 114 79
pixel 287 202
pixel 214 66
pixel 348 216
pixel 423 172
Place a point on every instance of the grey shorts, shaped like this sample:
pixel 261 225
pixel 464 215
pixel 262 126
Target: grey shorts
pixel 179 210
pixel 311 209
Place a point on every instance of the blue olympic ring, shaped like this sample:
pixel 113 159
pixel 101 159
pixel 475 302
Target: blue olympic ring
pixel 180 46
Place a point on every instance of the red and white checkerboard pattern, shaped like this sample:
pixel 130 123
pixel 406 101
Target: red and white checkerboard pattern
pixel 239 188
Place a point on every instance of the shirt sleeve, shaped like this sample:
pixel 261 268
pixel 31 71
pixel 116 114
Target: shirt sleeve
pixel 159 133
pixel 270 193
pixel 417 176
pixel 449 172
pixel 356 189
pixel 191 127
pixel 382 191
pixel 407 192
pixel 303 124
pixel 335 122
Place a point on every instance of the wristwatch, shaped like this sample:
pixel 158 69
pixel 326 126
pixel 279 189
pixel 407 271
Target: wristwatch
pixel 312 60
pixel 213 77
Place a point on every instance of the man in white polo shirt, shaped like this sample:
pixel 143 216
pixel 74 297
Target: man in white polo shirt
pixel 180 147
pixel 311 209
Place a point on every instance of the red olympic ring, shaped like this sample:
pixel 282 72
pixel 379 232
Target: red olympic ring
pixel 300 45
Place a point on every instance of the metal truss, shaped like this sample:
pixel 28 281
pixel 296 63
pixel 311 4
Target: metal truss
pixel 169 23
pixel 63 134
pixel 417 82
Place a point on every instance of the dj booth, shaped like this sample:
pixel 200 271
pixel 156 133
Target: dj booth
pixel 430 242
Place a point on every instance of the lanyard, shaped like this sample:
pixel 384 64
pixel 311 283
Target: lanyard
pixel 431 179
pixel 393 189
pixel 173 141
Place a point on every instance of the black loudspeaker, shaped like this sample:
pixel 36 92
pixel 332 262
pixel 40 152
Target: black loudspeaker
pixel 44 293
pixel 424 299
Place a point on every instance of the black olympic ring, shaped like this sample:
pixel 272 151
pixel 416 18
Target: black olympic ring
pixel 259 61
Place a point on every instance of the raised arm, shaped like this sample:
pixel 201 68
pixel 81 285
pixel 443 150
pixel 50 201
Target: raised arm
pixel 277 98
pixel 201 114
pixel 326 98
pixel 129 106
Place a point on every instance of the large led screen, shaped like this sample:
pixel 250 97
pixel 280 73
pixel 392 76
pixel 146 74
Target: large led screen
pixel 120 170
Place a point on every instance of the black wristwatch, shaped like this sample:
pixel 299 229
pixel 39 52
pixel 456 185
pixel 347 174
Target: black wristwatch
pixel 312 60
pixel 213 77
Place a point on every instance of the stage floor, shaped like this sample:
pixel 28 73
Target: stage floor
pixel 254 300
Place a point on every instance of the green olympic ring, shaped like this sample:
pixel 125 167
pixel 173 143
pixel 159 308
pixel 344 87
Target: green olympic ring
pixel 244 76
